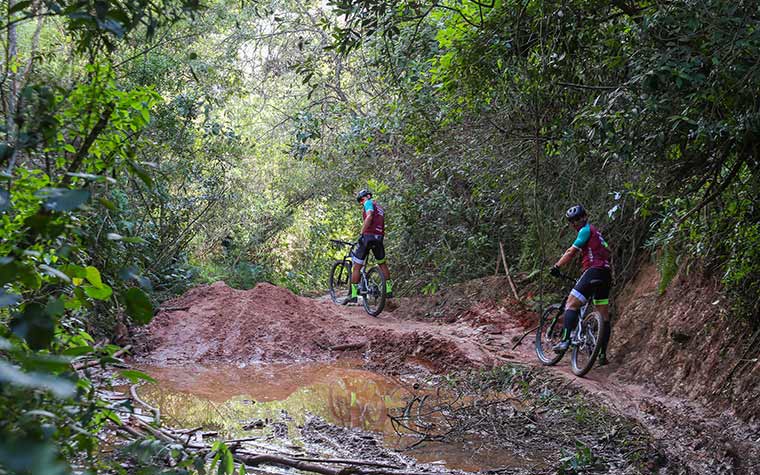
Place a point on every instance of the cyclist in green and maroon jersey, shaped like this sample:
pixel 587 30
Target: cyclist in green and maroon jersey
pixel 594 282
pixel 371 238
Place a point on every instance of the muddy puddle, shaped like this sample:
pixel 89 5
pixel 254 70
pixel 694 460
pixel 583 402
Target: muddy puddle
pixel 254 401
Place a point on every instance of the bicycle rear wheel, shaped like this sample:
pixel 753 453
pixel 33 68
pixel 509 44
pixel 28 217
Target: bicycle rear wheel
pixel 587 349
pixel 340 281
pixel 548 334
pixel 374 299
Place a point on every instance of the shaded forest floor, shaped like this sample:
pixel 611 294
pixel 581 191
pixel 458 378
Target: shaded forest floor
pixel 473 325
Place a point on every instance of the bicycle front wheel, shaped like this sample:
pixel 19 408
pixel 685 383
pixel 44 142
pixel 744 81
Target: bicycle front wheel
pixel 340 281
pixel 587 349
pixel 374 299
pixel 548 334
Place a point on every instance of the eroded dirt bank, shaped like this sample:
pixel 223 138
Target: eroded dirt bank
pixel 660 373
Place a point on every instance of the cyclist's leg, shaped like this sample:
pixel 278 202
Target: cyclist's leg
pixel 601 304
pixel 570 320
pixel 378 250
pixel 358 257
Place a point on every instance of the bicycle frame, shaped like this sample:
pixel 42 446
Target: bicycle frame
pixel 347 258
pixel 578 326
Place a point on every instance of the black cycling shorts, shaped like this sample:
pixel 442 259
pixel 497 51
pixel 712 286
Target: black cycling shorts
pixel 373 242
pixel 595 282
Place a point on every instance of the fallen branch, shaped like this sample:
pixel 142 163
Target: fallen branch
pixel 172 309
pixel 244 439
pixel 524 335
pixel 255 460
pixel 131 431
pixel 350 462
pixel 155 432
pixel 187 431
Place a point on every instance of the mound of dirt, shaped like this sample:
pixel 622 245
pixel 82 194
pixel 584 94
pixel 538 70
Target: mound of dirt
pixel 269 324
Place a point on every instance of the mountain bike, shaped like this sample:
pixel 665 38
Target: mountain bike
pixel 371 285
pixel 584 340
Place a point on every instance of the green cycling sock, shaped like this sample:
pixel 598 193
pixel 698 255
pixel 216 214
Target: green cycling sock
pixel 354 290
pixel 388 286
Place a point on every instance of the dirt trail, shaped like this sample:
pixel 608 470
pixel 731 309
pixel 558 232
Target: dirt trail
pixel 216 324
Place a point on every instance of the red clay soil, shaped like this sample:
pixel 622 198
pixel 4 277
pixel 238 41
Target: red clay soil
pixel 214 324
pixel 680 364
pixel 687 343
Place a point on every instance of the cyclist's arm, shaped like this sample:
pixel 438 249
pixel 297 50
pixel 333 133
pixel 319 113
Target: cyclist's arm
pixel 567 256
pixel 584 234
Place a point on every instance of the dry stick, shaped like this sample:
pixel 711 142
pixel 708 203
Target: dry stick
pixel 155 432
pixel 310 467
pixel 156 411
pixel 244 439
pixel 524 335
pixel 254 460
pixel 350 462
pixel 131 431
pixel 172 309
pixel 91 363
pixel 506 270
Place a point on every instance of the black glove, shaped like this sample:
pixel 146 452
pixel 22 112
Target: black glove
pixel 555 271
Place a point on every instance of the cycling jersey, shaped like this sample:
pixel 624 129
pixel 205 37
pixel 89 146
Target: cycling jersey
pixel 596 252
pixel 377 226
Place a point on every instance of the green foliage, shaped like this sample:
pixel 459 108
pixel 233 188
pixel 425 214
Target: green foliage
pixel 668 265
pixel 70 134
pixel 231 149
pixel 498 118
pixel 578 461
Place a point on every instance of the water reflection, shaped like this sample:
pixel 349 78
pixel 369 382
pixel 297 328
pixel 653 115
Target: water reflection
pixel 227 399
pixel 232 400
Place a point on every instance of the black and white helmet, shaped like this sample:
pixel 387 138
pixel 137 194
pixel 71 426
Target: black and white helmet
pixel 362 194
pixel 575 212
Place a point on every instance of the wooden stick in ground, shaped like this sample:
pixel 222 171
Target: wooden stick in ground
pixel 506 270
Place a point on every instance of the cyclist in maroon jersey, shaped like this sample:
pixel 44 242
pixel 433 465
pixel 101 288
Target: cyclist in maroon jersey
pixel 371 239
pixel 594 282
